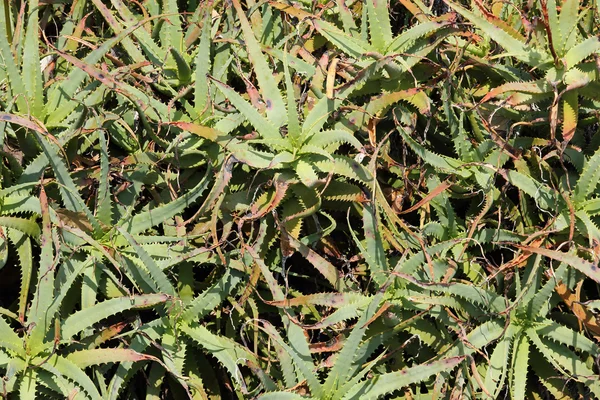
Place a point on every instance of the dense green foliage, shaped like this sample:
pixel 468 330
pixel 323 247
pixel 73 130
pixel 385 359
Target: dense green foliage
pixel 299 199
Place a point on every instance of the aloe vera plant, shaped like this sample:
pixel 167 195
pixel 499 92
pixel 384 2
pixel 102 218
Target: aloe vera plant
pixel 295 199
pixel 561 51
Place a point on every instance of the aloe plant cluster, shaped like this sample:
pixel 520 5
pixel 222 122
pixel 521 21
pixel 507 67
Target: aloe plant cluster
pixel 296 199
